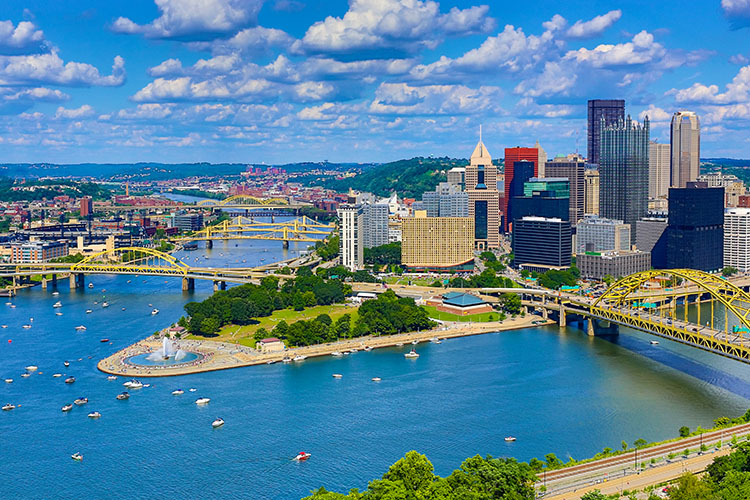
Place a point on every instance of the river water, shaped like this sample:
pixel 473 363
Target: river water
pixel 555 389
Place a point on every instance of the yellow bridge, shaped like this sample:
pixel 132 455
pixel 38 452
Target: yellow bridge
pixel 302 229
pixel 243 201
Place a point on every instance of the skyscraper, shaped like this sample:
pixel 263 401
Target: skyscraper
pixel 695 234
pixel 623 171
pixel 484 198
pixel 574 172
pixel 541 243
pixel 737 238
pixel 446 201
pixel 685 142
pixel 658 170
pixel 543 197
pixel 513 155
pixel 611 111
pixel 351 250
pixel 591 190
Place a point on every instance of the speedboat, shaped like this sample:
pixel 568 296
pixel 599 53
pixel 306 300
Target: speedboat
pixel 368 348
pixel 8 380
pixel 70 380
pixel 128 281
pixel 58 314
pixel 77 457
pixel 177 392
pixel 146 385
pixel 202 401
pixel 270 362
pixel 436 340
pixel 104 340
pixel 81 401
pixel 3 326
pixel 415 342
pixel 376 379
pixel 133 384
pixel 55 293
pixel 96 302
pixel 32 368
pixel 89 311
pixel 154 312
pixel 336 354
pixel 112 377
pixel 654 342
pixel 287 359
pixel 57 375
pixel 353 351
pixel 105 304
pixel 81 328
pixel 510 439
pixel 67 407
pixel 95 414
pixel 399 344
pixel 217 423
pixel 26 327
pixel 123 395
pixel 26 375
pixel 337 375
pixel 193 389
pixel 8 407
pixel 411 354
pixel 91 285
pixel 66 363
pixel 57 304
pixel 299 357
pixel 301 456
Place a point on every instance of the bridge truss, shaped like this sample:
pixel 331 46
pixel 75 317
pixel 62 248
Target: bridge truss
pixel 301 229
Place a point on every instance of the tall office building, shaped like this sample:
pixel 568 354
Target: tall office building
pixel 595 234
pixel 446 201
pixel 484 198
pixel 695 234
pixel 547 197
pixel 591 192
pixel 523 171
pixel 351 250
pixel 374 224
pixel 623 171
pixel 457 177
pixel 574 171
pixel 737 238
pixel 658 170
pixel 685 143
pixel 513 155
pixel 602 112
pixel 87 206
pixel 437 243
pixel 541 160
pixel 541 243
pixel 651 236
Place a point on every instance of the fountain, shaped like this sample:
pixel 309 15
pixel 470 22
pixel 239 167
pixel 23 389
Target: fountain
pixel 167 351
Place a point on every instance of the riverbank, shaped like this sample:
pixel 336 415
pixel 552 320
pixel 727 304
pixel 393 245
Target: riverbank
pixel 222 356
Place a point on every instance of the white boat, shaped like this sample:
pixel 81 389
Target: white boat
pixel 55 293
pixel 80 328
pixel 12 306
pixel 57 375
pixel 436 340
pixel 69 380
pixel 89 311
pixel 77 457
pixel 411 354
pixel 192 389
pixel 299 357
pixel 32 368
pixel 66 363
pixel 122 396
pixel 302 456
pixel 58 314
pixel 510 439
pixel 368 348
pixel 96 302
pixel 337 375
pixel 336 354
pixel 26 375
pixel 217 423
pixel 67 407
pixel 8 380
pixel 177 392
pixel 26 327
pixel 202 401
pixel 3 326
pixel 133 384
pixel 353 351
pixel 105 304
pixel 146 385
pixel 81 401
pixel 57 304
pixel 95 414
pixel 8 407
pixel 91 285
pixel 415 342
pixel 154 312
pixel 399 344
pixel 376 379
pixel 112 377
pixel 654 342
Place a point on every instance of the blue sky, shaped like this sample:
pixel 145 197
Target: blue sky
pixel 279 81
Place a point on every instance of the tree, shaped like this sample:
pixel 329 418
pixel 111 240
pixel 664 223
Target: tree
pixel 624 445
pixel 689 487
pixel 209 326
pixel 414 471
pixel 729 271
pixel 684 431
pixel 511 303
pixel 608 279
pixel 640 443
pixel 260 334
pixel 595 495
pixel 552 461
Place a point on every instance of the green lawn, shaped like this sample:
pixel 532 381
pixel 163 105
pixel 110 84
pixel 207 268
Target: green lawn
pixel 244 334
pixel 432 312
pixel 404 280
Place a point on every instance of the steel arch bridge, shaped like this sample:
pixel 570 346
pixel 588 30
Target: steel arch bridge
pixel 245 200
pixel 302 229
pixel 142 261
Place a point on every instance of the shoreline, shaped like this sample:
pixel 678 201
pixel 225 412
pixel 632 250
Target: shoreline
pixel 224 356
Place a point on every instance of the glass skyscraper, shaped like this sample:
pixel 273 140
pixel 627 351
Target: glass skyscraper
pixel 611 111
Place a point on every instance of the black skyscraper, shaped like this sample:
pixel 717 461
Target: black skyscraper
pixel 522 172
pixel 613 111
pixel 695 234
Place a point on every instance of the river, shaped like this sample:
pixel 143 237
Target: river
pixel 556 390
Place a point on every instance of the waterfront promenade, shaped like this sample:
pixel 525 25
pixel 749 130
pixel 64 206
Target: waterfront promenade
pixel 222 356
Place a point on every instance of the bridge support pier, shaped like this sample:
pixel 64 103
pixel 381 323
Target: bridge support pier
pixel 285 244
pixel 209 244
pixel 545 314
pixel 188 284
pixel 562 321
pixel 590 327
pixel 77 280
pixel 44 282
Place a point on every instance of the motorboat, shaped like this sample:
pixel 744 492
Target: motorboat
pixel 66 408
pixel 70 380
pixel 353 351
pixel 399 344
pixel 104 340
pixel 55 293
pixel 89 311
pixel 202 401
pixel 26 375
pixel 66 363
pixel 217 423
pixel 123 308
pixel 177 392
pixel 81 401
pixel 192 389
pixel 105 304
pixel 91 285
pixel 336 354
pixel 414 342
pixel 411 354
pixel 436 340
pixel 57 375
pixel 154 312
pixel 299 357
pixel 12 306
pixel 654 342
pixel 8 380
pixel 58 314
pixel 510 439
pixel 146 385
pixel 133 384
pixel 96 302
pixel 95 414
pixel 337 375
pixel 128 281
pixel 8 407
pixel 123 395
pixel 301 456
pixel 57 304
pixel 112 377
pixel 376 379
pixel 368 348
pixel 77 457
pixel 81 328
pixel 32 368
pixel 287 359
pixel 270 362
pixel 26 327
pixel 3 326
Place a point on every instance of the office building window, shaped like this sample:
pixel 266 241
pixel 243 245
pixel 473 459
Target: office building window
pixel 480 220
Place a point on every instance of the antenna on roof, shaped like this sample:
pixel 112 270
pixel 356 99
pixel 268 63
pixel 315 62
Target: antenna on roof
pixel 480 132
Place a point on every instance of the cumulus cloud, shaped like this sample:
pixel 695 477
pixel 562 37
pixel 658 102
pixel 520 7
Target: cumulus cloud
pixel 24 38
pixel 398 26
pixel 51 69
pixel 75 113
pixel 249 42
pixel 737 11
pixel 13 101
pixel 194 19
pixel 403 99
pixel 740 59
pixel 655 114
pixel 641 49
pixel 595 26
pixel 737 91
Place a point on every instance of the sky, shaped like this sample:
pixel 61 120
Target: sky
pixel 279 81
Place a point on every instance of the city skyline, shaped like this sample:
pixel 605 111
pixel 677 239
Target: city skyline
pixel 242 80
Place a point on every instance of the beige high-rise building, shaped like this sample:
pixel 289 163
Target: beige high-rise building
pixel 484 198
pixel 685 142
pixel 658 170
pixel 733 186
pixel 591 190
pixel 542 160
pixel 437 243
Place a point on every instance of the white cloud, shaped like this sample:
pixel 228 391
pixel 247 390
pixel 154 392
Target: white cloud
pixel 740 59
pixel 75 113
pixel 148 111
pixel 249 42
pixel 37 94
pixel 738 90
pixel 397 25
pixel 403 99
pixel 655 115
pixel 50 69
pixel 194 19
pixel 166 68
pixel 738 12
pixel 642 49
pixel 23 38
pixel 595 26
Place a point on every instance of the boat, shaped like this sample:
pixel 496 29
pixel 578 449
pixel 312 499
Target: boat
pixel 436 340
pixel 66 408
pixel 411 354
pixel 202 401
pixel 91 285
pixel 415 342
pixel 105 304
pixel 81 401
pixel 3 326
pixel 270 362
pixel 128 281
pixel 510 439
pixel 26 375
pixel 70 380
pixel 287 359
pixel 154 312
pixel 77 457
pixel 58 314
pixel 96 302
pixel 32 368
pixel 123 395
pixel 81 328
pixel 12 306
pixel 301 456
pixel 55 293
pixel 57 304
pixel 133 384
pixel 654 342
pixel 89 311
pixel 399 344
pixel 336 354
pixel 57 375
pixel 337 375
pixel 146 385
pixel 177 392
pixel 123 308
pixel 368 348
pixel 353 351
pixel 26 327
pixel 66 363
pixel 376 379
pixel 8 407
pixel 299 357
pixel 95 414
pixel 112 377
pixel 217 423
pixel 193 389
pixel 8 380
pixel 104 340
